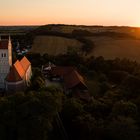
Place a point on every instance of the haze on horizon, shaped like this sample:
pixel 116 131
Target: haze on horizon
pixel 82 12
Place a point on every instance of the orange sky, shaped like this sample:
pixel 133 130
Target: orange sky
pixel 88 12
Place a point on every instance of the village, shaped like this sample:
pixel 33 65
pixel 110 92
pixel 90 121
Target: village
pixel 17 77
pixel 69 70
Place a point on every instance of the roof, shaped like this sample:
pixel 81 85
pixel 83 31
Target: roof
pixel 18 70
pixel 73 79
pixel 82 95
pixel 4 44
pixel 13 76
pixel 25 63
pixel 61 71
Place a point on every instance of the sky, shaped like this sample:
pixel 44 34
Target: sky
pixel 80 12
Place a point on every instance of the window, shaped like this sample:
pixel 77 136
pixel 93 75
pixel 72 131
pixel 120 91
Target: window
pixel 3 55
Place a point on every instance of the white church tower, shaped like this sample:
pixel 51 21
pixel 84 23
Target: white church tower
pixel 5 60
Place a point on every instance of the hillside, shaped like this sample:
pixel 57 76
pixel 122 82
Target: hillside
pixel 109 42
pixel 53 45
pixel 111 48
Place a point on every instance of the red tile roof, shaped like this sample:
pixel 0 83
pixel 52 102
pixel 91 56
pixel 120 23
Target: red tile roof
pixel 18 70
pixel 82 95
pixel 4 44
pixel 25 63
pixel 61 71
pixel 73 79
pixel 13 76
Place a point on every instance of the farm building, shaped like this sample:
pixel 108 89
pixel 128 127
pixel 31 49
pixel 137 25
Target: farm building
pixel 73 83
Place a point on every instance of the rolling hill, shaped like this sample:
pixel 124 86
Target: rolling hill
pixel 54 45
pixel 109 42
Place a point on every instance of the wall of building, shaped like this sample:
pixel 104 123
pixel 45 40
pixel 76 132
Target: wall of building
pixel 4 66
pixel 15 86
pixel 10 53
pixel 28 75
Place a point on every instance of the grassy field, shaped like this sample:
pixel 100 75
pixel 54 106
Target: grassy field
pixel 109 47
pixel 53 45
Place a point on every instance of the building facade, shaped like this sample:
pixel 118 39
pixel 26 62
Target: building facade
pixel 5 60
pixel 13 77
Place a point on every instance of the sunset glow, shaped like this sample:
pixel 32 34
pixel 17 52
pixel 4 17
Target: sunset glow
pixel 88 12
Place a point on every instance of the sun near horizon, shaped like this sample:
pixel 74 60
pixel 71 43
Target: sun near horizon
pixel 79 12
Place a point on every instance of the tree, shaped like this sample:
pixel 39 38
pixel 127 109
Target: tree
pixel 37 80
pixel 28 116
pixel 72 108
pixel 126 109
pixel 122 128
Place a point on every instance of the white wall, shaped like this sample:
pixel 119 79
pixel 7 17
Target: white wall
pixel 10 52
pixel 4 66
pixel 28 75
pixel 5 63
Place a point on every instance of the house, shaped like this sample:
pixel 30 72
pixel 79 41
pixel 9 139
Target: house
pixel 72 79
pixel 73 83
pixel 13 77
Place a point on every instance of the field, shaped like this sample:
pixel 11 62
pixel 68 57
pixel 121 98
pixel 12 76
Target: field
pixel 111 48
pixel 123 43
pixel 53 45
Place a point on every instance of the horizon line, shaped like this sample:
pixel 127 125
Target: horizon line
pixel 90 25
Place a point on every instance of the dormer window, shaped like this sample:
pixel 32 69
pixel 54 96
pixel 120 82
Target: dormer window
pixel 2 55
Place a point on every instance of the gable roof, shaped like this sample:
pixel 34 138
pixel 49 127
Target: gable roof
pixel 13 75
pixel 4 44
pixel 25 63
pixel 61 71
pixel 82 95
pixel 73 79
pixel 18 70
